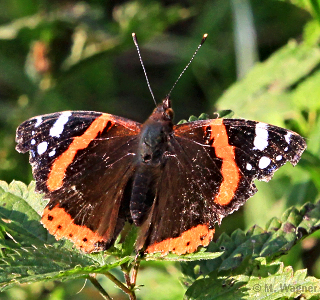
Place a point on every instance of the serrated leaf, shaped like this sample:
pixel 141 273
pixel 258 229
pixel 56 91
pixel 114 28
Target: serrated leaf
pixel 182 122
pixel 263 282
pixel 127 247
pixel 225 113
pixel 196 256
pixel 269 84
pixel 18 204
pixel 29 253
pixel 192 119
pixel 31 264
pixel 278 237
pixel 203 116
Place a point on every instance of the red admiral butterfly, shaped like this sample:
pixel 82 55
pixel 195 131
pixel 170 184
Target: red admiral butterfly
pixel 175 182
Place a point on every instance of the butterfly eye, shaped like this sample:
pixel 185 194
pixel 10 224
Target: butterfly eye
pixel 169 113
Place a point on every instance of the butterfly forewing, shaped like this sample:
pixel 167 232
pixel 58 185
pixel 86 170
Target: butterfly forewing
pixel 82 161
pixel 247 150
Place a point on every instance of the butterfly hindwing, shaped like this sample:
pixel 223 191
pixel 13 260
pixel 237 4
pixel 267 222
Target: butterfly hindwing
pixel 185 220
pixel 82 161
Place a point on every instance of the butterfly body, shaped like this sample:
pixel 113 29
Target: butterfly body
pixel 174 182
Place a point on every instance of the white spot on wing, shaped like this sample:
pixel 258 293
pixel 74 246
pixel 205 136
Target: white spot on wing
pixel 249 167
pixel 42 147
pixel 52 153
pixel 288 137
pixel 264 162
pixel 279 157
pixel 58 126
pixel 39 121
pixel 261 139
pixel 33 141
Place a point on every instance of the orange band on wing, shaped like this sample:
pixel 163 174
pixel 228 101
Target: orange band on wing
pixel 60 224
pixel 59 167
pixel 188 242
pixel 229 168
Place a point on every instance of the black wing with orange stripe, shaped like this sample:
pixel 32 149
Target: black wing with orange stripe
pixel 83 162
pixel 212 164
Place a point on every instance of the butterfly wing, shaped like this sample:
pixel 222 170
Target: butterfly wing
pixel 83 162
pixel 212 164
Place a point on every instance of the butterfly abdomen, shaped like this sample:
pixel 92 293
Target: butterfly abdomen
pixel 142 195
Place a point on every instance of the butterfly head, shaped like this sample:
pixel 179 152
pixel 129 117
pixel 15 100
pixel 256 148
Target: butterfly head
pixel 163 112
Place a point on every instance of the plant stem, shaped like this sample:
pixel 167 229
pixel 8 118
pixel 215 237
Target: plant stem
pixel 101 290
pixel 128 291
pixel 135 270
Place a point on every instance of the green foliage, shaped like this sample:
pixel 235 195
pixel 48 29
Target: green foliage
pixel 313 6
pixel 29 254
pixel 258 281
pixel 286 81
pixel 278 237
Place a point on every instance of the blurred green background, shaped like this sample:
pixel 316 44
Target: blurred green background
pixel 79 55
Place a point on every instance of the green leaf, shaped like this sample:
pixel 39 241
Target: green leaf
pixel 31 264
pixel 182 122
pixel 196 256
pixel 263 281
pixel 127 247
pixel 147 15
pixel 311 32
pixel 226 113
pixel 192 119
pixel 278 237
pixel 21 206
pixel 203 116
pixel 271 85
pixel 29 253
pixel 313 6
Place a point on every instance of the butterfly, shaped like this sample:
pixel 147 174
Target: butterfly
pixel 175 182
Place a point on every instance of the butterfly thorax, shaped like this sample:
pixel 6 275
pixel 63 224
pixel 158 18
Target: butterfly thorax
pixel 154 143
pixel 154 135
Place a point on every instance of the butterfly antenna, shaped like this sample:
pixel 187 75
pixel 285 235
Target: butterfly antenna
pixel 186 67
pixel 144 69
